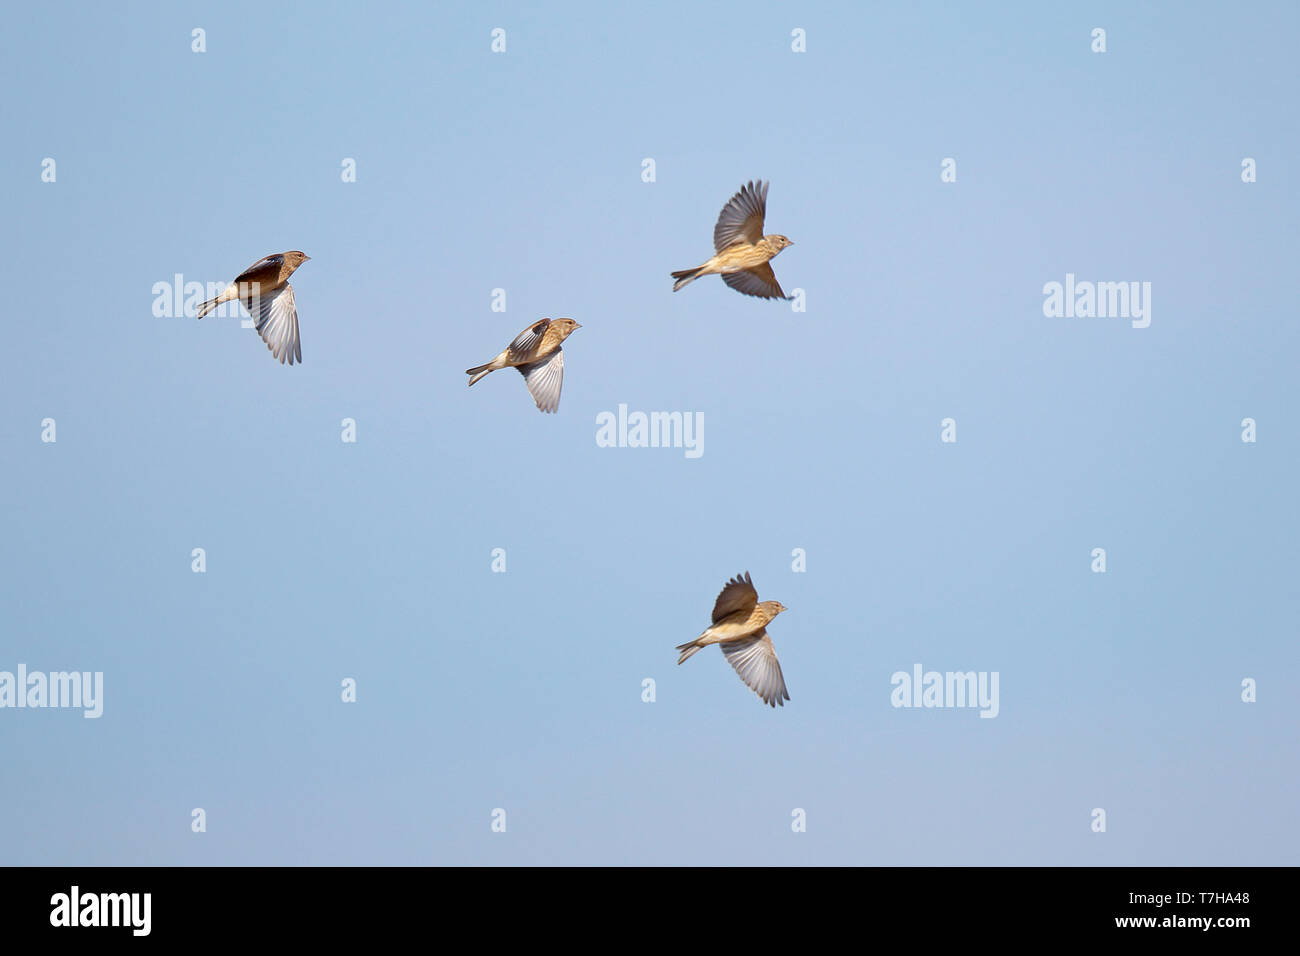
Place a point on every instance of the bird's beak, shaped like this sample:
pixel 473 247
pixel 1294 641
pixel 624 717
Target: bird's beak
pixel 576 326
pixel 306 258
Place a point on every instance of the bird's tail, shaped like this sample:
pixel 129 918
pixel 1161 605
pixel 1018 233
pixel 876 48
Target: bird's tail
pixel 687 649
pixel 686 277
pixel 478 371
pixel 211 304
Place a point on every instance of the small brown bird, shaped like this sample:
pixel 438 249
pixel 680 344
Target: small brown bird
pixel 537 354
pixel 742 249
pixel 264 290
pixel 740 627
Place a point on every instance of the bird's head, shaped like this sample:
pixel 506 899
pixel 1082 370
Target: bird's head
pixel 566 326
pixel 294 259
pixel 778 242
pixel 772 608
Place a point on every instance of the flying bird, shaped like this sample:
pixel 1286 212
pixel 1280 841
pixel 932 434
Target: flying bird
pixel 743 252
pixel 740 628
pixel 537 354
pixel 264 290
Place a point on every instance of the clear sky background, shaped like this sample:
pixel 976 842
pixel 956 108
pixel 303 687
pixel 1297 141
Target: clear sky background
pixel 522 690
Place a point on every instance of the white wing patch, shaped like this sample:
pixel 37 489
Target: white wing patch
pixel 544 380
pixel 754 659
pixel 276 319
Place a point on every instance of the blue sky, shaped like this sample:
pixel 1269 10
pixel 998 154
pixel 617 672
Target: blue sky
pixel 522 171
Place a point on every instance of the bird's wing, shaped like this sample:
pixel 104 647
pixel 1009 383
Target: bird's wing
pixel 276 319
pixel 261 269
pixel 527 341
pixel 741 220
pixel 755 661
pixel 738 595
pixel 759 281
pixel 544 379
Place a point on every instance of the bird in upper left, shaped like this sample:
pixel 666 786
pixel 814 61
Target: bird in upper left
pixel 264 290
